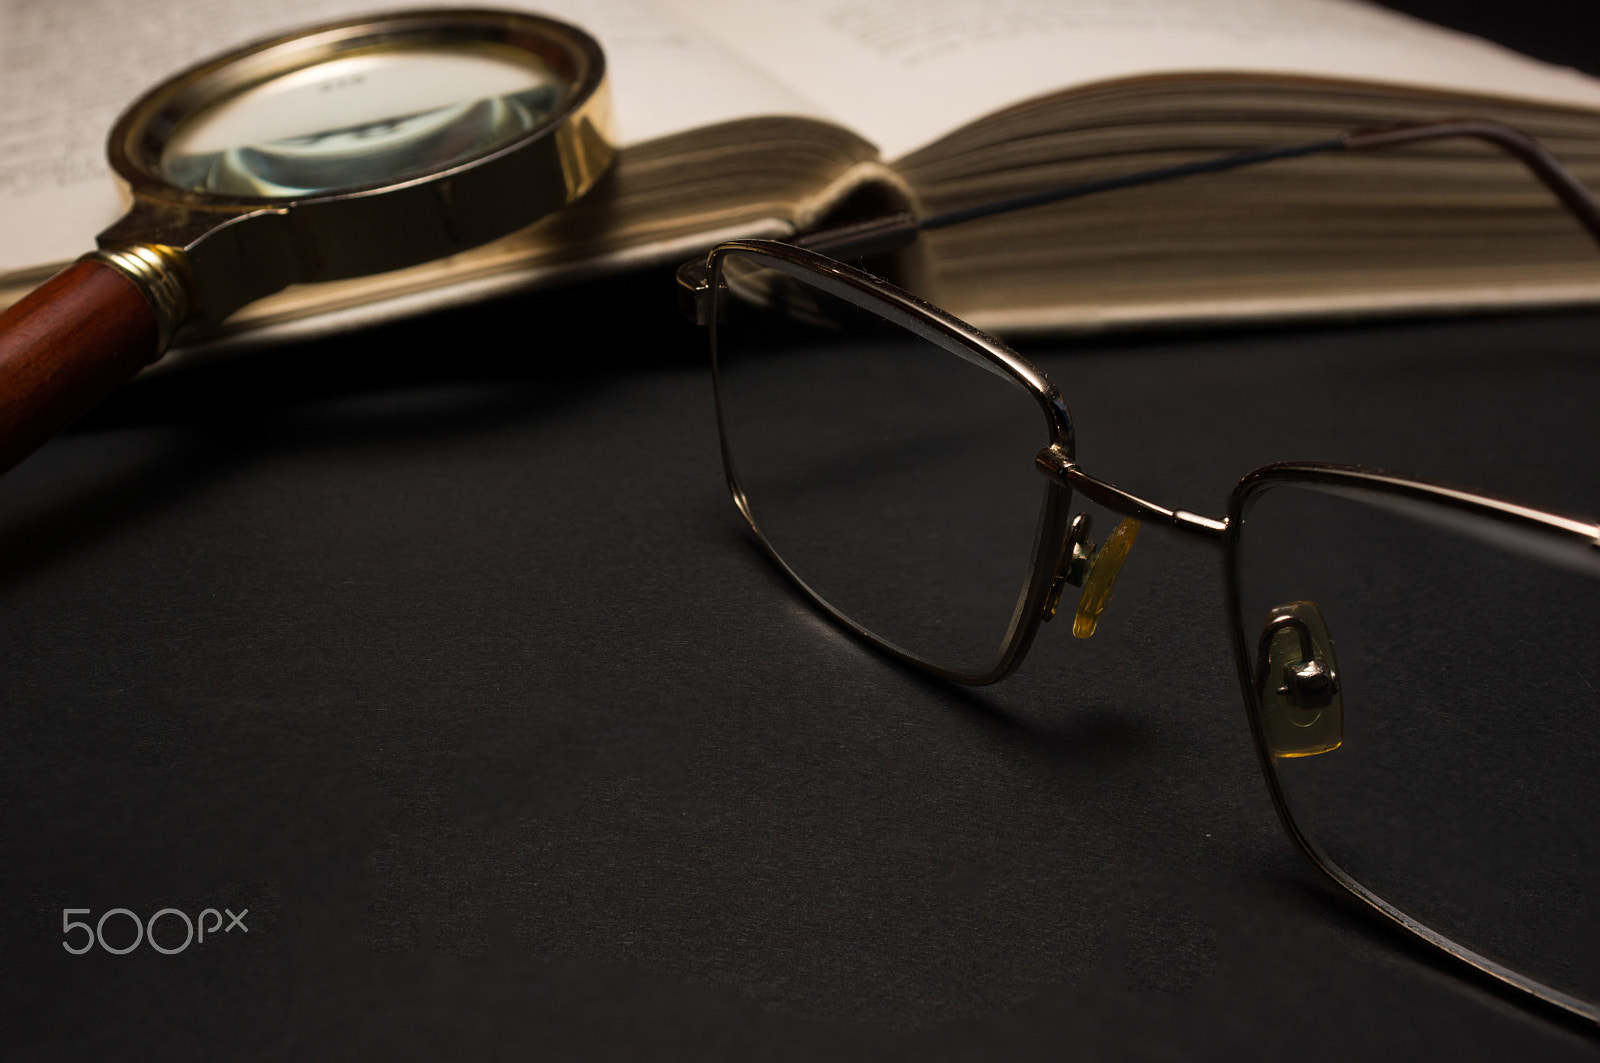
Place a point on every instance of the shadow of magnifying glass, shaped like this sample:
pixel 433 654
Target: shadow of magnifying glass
pixel 211 417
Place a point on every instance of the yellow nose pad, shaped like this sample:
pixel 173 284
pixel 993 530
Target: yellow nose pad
pixel 1095 569
pixel 1298 697
pixel 1101 579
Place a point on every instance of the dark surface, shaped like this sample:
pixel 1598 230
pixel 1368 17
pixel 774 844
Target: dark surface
pixel 1557 31
pixel 442 650
pixel 465 679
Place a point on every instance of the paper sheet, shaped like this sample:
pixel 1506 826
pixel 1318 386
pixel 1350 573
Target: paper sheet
pixel 904 72
pixel 899 72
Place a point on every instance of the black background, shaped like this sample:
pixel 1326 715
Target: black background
pixel 441 649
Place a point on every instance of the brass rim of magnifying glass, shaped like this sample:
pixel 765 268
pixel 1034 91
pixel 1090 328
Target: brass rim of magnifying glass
pixel 197 254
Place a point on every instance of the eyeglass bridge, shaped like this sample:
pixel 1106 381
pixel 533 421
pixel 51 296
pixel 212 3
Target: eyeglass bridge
pixel 1056 462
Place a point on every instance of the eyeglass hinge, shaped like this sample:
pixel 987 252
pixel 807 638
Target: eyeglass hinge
pixel 694 291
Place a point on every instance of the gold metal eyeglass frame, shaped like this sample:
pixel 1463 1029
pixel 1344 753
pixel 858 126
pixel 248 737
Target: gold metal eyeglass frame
pixel 1060 547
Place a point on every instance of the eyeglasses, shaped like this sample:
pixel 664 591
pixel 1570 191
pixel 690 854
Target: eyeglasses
pixel 1419 663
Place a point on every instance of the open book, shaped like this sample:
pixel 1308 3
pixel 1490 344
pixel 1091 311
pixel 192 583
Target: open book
pixel 767 117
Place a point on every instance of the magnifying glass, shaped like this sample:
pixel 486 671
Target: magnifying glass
pixel 338 151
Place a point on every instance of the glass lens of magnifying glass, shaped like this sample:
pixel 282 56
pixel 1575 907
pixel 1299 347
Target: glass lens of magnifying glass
pixel 362 119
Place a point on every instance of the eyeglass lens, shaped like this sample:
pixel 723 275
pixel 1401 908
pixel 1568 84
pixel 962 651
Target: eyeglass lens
pixel 891 470
pixel 1425 676
pixel 1463 786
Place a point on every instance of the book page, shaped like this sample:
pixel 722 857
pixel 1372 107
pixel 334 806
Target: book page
pixel 67 70
pixel 904 72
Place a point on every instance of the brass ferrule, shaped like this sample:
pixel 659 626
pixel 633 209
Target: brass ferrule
pixel 160 272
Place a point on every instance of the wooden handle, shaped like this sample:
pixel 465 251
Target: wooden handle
pixel 66 346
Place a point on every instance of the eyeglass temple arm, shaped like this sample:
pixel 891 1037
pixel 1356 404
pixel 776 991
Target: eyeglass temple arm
pixel 899 230
pixel 1572 193
pixel 893 232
